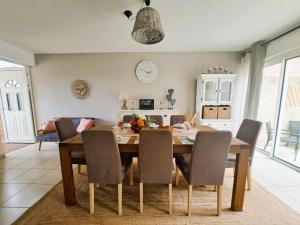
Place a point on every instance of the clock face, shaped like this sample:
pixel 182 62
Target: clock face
pixel 146 72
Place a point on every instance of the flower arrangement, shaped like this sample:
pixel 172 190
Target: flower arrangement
pixel 137 123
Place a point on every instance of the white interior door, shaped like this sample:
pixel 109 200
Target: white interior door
pixel 16 107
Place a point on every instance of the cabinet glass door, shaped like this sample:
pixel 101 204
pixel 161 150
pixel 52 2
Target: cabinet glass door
pixel 210 90
pixel 225 91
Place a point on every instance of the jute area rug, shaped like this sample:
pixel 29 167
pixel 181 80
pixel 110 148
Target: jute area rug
pixel 260 206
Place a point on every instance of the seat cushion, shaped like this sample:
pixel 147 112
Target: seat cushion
pixel 78 158
pixel 49 137
pixel 183 163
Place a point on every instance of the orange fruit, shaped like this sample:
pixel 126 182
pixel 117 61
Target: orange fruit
pixel 140 123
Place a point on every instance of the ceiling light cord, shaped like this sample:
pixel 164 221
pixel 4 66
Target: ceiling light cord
pixel 133 18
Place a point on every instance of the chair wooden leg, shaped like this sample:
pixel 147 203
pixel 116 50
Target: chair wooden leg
pixel 170 200
pixel 131 175
pixel 219 200
pixel 120 199
pixel 190 200
pixel 176 176
pixel 92 192
pixel 79 168
pixel 249 178
pixel 40 146
pixel 141 198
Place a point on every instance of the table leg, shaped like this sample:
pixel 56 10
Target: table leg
pixel 67 176
pixel 239 183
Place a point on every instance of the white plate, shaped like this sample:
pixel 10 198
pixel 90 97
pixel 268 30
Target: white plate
pixel 179 126
pixel 127 125
pixel 192 137
pixel 153 126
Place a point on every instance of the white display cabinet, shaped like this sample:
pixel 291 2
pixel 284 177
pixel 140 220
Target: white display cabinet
pixel 214 90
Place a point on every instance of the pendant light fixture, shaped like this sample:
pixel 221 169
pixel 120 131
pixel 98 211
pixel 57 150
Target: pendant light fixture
pixel 147 27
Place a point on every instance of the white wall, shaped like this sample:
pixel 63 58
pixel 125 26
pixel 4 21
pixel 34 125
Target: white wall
pixel 108 74
pixel 15 54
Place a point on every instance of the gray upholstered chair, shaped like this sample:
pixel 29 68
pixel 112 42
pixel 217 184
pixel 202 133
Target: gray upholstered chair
pixel 157 118
pixel 206 164
pixel 269 134
pixel 155 160
pixel 248 132
pixel 127 118
pixel 65 129
pixel 104 164
pixel 177 119
pixel 292 137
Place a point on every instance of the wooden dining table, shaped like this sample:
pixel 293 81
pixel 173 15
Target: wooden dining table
pixel 128 142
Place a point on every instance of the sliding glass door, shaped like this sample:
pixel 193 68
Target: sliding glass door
pixel 279 110
pixel 288 139
pixel 268 106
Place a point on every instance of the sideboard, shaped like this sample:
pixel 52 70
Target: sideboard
pixel 166 114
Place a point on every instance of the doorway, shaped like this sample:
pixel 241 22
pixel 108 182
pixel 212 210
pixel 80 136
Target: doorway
pixel 16 110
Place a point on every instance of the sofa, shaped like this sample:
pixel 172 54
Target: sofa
pixel 53 136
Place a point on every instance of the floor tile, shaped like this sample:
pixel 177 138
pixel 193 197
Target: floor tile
pixel 11 174
pixel 275 179
pixel 27 197
pixel 31 163
pixel 9 190
pixel 49 164
pixel 53 177
pixel 293 192
pixel 30 176
pixel 9 215
pixel 10 163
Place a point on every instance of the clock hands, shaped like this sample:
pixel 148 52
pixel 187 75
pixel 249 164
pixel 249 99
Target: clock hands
pixel 147 71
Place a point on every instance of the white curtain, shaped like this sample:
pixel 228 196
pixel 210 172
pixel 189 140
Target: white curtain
pixel 256 65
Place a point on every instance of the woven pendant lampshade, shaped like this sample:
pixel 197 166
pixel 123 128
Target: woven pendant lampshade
pixel 147 27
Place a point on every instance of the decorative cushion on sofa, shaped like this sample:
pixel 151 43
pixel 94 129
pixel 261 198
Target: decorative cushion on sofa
pixel 84 124
pixel 48 127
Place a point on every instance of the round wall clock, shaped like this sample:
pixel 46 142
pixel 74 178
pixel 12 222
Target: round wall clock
pixel 80 89
pixel 146 72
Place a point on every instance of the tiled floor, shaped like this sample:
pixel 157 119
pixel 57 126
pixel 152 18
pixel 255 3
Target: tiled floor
pixel 279 179
pixel 27 175
pixel 10 147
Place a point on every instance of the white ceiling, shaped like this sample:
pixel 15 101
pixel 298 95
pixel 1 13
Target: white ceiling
pixel 71 26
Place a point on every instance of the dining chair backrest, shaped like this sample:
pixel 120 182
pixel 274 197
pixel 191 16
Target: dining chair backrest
pixel 65 128
pixel 127 118
pixel 294 127
pixel 248 132
pixel 177 119
pixel 269 130
pixel 208 158
pixel 157 118
pixel 155 156
pixel 102 157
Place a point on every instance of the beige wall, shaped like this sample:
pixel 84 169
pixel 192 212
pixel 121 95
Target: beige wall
pixel 108 74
